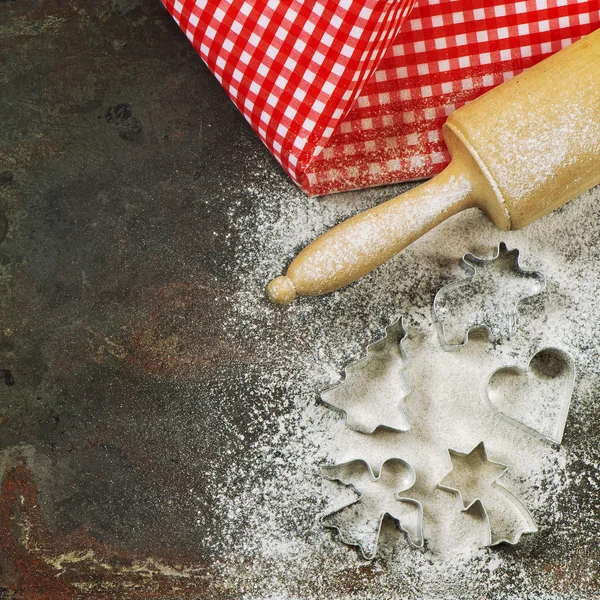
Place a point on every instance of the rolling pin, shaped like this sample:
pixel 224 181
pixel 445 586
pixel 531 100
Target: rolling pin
pixel 518 152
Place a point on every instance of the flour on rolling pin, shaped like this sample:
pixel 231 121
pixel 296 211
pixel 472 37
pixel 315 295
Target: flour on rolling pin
pixel 518 152
pixel 545 156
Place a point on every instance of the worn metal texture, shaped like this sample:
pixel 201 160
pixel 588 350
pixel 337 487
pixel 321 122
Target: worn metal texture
pixel 102 158
pixel 140 361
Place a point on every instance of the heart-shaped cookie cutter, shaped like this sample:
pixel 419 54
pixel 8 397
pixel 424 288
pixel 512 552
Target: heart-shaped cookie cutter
pixel 566 362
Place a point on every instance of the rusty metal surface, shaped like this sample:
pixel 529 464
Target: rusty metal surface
pixel 101 160
pixel 120 156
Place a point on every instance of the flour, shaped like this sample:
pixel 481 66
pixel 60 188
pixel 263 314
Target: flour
pixel 272 544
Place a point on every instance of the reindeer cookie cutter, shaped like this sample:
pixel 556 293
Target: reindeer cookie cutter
pixel 476 288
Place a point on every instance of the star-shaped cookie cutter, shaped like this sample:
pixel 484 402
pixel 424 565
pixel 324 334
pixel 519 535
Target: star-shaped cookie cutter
pixel 452 483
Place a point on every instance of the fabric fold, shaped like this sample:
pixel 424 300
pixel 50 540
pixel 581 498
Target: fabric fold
pixel 348 94
pixel 292 67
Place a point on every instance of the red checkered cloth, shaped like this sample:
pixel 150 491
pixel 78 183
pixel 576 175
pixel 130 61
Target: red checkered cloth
pixel 349 94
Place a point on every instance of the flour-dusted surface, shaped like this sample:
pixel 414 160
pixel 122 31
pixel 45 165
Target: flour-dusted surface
pixel 273 516
pixel 160 435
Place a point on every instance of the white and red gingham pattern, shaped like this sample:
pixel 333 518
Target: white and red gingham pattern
pixel 447 53
pixel 345 99
pixel 292 67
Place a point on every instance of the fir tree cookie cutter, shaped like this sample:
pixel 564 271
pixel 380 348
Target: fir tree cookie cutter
pixel 475 480
pixel 370 394
pixel 378 497
pixel 486 300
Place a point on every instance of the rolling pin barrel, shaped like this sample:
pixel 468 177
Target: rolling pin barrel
pixel 518 152
pixel 537 136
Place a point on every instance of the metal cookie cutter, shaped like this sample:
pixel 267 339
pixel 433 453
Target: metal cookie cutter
pixel 480 301
pixel 378 497
pixel 538 397
pixel 474 478
pixel 371 393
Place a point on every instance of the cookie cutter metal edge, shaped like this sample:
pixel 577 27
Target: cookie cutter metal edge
pixel 382 515
pixel 471 269
pixel 565 406
pixel 497 486
pixel 404 357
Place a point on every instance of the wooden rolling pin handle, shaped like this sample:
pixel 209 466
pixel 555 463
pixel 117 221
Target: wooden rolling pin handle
pixel 519 151
pixel 364 242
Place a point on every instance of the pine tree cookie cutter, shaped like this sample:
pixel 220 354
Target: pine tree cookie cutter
pixel 371 392
pixel 381 496
pixel 491 497
pixel 486 315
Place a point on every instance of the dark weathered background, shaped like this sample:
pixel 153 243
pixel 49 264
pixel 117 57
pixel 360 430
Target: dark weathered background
pixel 129 385
pixel 115 145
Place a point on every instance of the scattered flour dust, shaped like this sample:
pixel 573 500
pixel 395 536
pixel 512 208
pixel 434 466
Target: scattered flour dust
pixel 272 544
